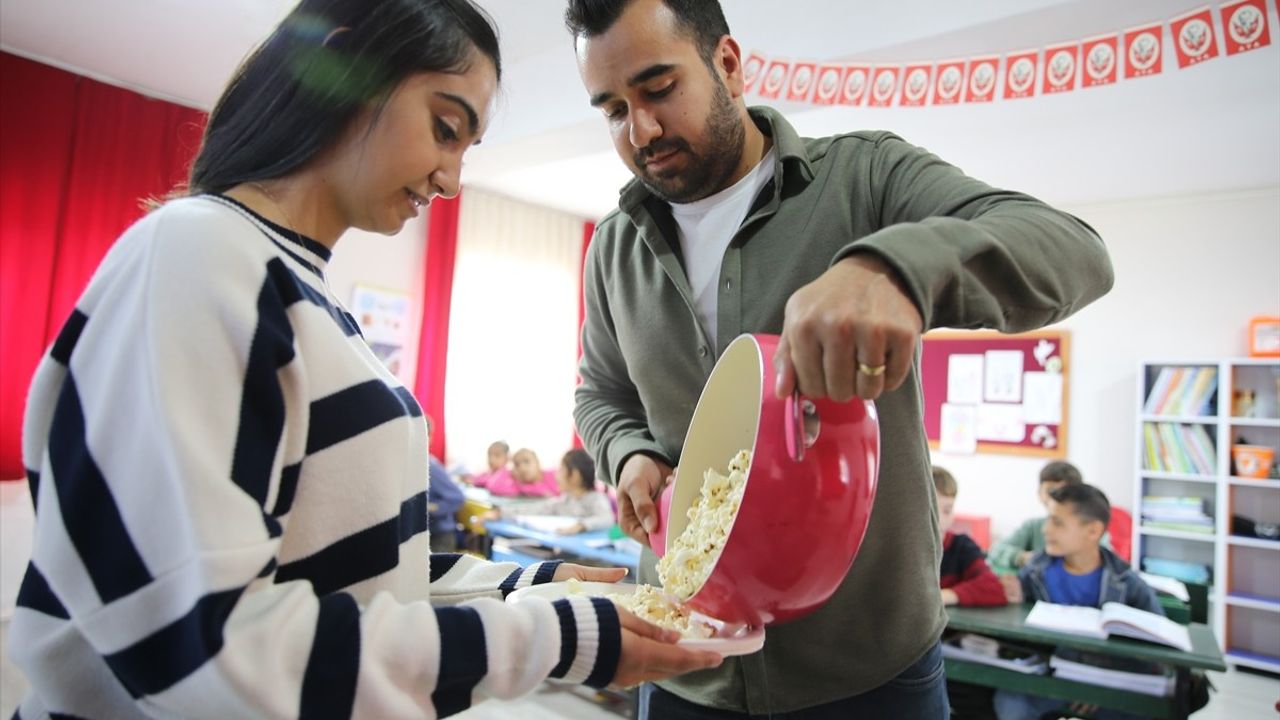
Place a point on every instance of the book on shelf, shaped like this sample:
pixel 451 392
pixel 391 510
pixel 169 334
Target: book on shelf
pixel 1168 447
pixel 1182 391
pixel 1185 527
pixel 1181 569
pixel 1112 618
pixel 1166 585
pixel 989 651
pixel 1158 684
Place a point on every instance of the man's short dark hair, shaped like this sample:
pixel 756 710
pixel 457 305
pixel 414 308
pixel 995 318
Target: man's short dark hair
pixel 1087 502
pixel 1061 472
pixel 701 20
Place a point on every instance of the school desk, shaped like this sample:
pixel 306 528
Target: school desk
pixel 1008 623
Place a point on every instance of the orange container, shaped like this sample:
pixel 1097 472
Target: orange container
pixel 1252 461
pixel 1264 336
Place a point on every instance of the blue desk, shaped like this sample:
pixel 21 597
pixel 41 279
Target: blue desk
pixel 595 545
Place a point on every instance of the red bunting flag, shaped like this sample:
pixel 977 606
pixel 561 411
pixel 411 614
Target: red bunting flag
pixel 1100 62
pixel 1143 51
pixel 1193 37
pixel 1020 74
pixel 1245 25
pixel 982 74
pixel 948 85
pixel 857 78
pixel 826 89
pixel 1060 65
pixel 884 85
pixel 916 79
pixel 801 82
pixel 751 70
pixel 775 79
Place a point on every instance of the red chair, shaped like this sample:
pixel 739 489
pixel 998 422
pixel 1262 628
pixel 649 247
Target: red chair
pixel 1121 529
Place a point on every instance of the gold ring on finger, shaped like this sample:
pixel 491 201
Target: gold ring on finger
pixel 870 370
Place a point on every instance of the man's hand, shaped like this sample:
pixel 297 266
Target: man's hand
pixel 640 483
pixel 853 331
pixel 949 597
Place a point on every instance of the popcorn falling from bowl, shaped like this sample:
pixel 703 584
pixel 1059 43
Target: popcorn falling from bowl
pixel 689 561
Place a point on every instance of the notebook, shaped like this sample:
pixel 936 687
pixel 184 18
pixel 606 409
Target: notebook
pixel 1113 619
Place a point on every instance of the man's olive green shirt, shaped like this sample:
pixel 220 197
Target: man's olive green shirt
pixel 971 256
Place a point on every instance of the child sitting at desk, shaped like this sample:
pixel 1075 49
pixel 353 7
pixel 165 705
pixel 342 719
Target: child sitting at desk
pixel 579 497
pixel 965 577
pixel 1074 569
pixel 526 479
pixel 499 458
pixel 1015 550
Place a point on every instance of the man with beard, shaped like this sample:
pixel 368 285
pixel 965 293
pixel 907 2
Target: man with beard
pixel 849 247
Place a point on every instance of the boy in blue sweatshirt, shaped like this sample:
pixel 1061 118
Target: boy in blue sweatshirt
pixel 1075 569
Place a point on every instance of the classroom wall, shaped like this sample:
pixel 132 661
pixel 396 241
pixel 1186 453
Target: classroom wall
pixel 388 263
pixel 1190 272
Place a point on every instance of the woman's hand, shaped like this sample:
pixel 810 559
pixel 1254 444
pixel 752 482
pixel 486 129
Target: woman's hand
pixel 570 571
pixel 650 653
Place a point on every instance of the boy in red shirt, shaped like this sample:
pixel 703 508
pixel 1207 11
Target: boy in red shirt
pixel 965 577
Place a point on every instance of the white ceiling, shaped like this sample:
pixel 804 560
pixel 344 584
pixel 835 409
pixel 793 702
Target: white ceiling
pixel 1208 128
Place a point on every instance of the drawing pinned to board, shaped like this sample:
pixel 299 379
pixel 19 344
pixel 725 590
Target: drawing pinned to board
pixel 1003 376
pixel 964 379
pixel 1042 398
pixel 959 429
pixel 383 317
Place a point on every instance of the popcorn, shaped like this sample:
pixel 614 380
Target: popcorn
pixel 690 559
pixel 651 604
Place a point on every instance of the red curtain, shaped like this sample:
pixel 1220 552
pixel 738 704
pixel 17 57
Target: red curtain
pixel 588 230
pixel 433 345
pixel 79 157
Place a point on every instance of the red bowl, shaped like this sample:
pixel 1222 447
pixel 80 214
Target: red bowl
pixel 812 481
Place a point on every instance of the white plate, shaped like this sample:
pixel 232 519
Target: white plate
pixel 744 643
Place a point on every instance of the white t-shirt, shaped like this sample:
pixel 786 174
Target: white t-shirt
pixel 705 228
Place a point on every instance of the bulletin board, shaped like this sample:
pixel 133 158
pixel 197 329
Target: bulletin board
pixel 987 392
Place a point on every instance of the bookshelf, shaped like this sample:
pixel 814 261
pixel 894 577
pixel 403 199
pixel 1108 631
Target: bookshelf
pixel 1190 414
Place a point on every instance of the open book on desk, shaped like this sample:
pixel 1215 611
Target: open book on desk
pixel 1113 619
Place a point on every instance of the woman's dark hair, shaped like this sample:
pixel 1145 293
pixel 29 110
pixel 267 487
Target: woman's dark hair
pixel 579 460
pixel 701 20
pixel 298 91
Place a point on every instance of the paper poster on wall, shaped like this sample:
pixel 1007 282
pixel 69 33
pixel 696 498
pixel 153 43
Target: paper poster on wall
pixel 959 426
pixel 1042 398
pixel 1003 376
pixel 383 317
pixel 964 379
pixel 1000 422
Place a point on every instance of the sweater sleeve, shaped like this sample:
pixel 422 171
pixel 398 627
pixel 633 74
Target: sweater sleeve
pixel 157 552
pixel 1005 553
pixel 607 408
pixel 978 585
pixel 974 256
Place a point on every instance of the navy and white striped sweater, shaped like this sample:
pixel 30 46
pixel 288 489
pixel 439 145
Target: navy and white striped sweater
pixel 231 512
